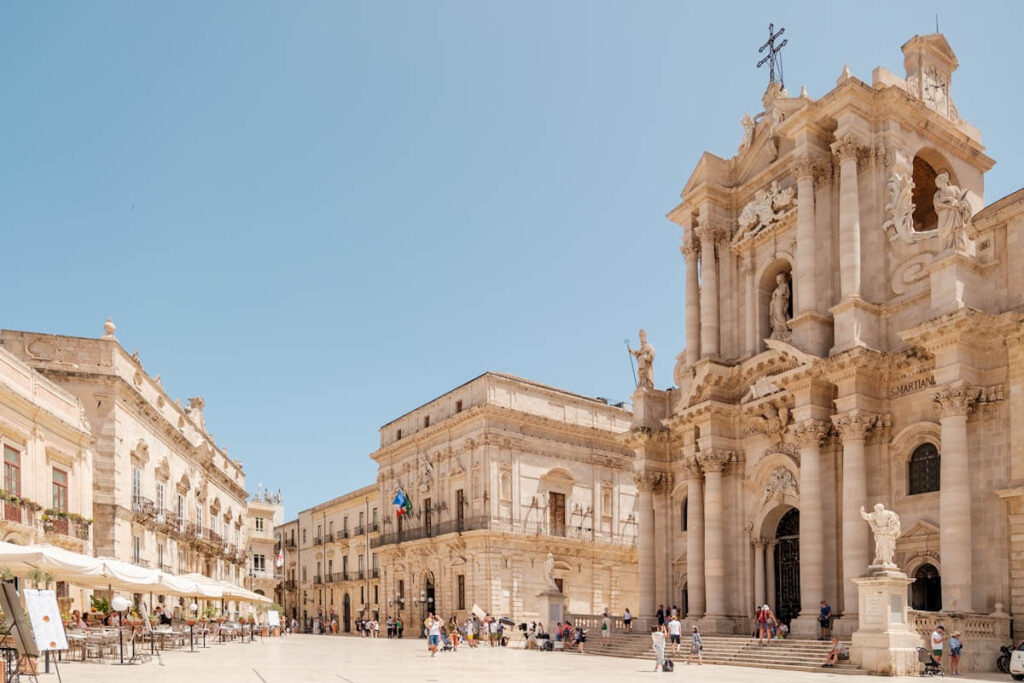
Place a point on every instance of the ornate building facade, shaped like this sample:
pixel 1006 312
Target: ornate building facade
pixel 164 495
pixel 263 514
pixel 853 336
pixel 500 472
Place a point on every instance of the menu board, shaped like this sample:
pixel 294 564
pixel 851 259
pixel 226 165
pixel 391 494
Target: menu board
pixel 44 614
pixel 273 618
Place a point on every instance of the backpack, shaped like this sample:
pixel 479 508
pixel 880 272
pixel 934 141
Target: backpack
pixel 668 665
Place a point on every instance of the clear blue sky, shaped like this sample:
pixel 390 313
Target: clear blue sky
pixel 319 215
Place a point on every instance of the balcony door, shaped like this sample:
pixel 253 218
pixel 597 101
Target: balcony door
pixel 556 513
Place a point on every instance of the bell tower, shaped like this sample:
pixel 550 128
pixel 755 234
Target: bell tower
pixel 930 62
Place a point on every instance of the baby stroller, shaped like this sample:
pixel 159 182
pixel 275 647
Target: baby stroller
pixel 931 666
pixel 446 643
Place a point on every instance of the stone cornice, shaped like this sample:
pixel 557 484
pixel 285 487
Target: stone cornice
pixel 965 327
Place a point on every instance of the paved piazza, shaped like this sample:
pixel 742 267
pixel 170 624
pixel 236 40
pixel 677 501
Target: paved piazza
pixel 310 659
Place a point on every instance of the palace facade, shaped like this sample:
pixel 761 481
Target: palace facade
pixel 853 336
pixel 163 493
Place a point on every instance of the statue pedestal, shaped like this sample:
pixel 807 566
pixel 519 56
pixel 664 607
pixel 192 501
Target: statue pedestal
pixel 552 607
pixel 958 281
pixel 884 642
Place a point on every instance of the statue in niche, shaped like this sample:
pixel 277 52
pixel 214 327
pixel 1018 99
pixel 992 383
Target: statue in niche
pixel 779 309
pixel 644 363
pixel 885 525
pixel 954 214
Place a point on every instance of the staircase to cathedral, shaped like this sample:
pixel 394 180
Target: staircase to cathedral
pixel 789 654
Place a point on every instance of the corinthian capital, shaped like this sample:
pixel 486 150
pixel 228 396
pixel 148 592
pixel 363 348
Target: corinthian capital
pixel 709 233
pixel 690 246
pixel 646 482
pixel 847 147
pixel 956 400
pixel 810 433
pixel 854 425
pixel 713 459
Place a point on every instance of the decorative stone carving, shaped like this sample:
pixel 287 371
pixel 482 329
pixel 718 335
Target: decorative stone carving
pixel 772 421
pixel 954 212
pixel 885 525
pixel 644 363
pixel 765 209
pixel 108 329
pixel 854 425
pixel 847 147
pixel 810 433
pixel 779 309
pixel 713 459
pixel 910 272
pixel 899 208
pixel 956 400
pixel 549 573
pixel 780 482
pixel 762 386
pixel 646 482
pixel 748 132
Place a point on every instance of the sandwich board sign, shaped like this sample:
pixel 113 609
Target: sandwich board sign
pixel 273 618
pixel 44 615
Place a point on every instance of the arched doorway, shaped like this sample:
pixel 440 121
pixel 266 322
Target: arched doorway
pixel 346 613
pixel 926 591
pixel 787 566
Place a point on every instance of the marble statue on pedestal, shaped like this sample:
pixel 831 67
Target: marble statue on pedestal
pixel 549 572
pixel 954 214
pixel 644 363
pixel 885 525
pixel 779 309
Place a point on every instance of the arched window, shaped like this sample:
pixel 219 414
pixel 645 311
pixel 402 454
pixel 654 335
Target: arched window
pixel 924 469
pixel 923 195
pixel 926 591
pixel 682 515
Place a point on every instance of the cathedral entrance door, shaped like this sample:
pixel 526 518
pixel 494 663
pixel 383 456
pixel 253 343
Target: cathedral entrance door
pixel 787 566
pixel 346 618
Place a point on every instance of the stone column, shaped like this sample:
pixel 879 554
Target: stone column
pixel 808 436
pixel 713 462
pixel 954 403
pixel 708 290
pixel 769 561
pixel 689 249
pixel 853 429
pixel 645 545
pixel 806 255
pixel 750 303
pixel 847 148
pixel 695 542
pixel 662 531
pixel 758 544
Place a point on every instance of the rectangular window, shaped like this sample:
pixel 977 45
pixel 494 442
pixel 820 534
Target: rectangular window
pixel 556 513
pixel 303 537
pixel 374 556
pixel 362 595
pixel 460 508
pixel 160 555
pixel 401 589
pixel 375 520
pixel 60 490
pixel 259 563
pixel 344 566
pixel 398 435
pixel 160 497
pixel 181 560
pixel 259 524
pixel 461 591
pixel 136 483
pixel 344 525
pixel 458 406
pixel 318 574
pixel 376 595
pixel 137 548
pixel 426 421
pixel 199 518
pixel 362 569
pixel 12 471
pixel 361 520
pixel 181 514
pixel 303 575
pixel 426 515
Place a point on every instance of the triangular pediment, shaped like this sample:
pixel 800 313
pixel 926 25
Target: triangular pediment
pixel 921 529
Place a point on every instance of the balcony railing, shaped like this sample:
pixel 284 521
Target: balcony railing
pixel 143 507
pixel 317 579
pixel 288 585
pixel 140 562
pixel 375 573
pixel 375 526
pixel 62 526
pixel 289 543
pixel 360 530
pixel 510 527
pixel 343 534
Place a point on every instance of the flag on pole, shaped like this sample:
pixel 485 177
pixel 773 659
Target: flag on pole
pixel 402 504
pixel 279 562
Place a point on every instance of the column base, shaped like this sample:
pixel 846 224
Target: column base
pixel 805 626
pixel 716 624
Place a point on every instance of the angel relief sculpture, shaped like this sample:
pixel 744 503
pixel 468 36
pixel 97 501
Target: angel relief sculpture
pixel 764 209
pixel 772 421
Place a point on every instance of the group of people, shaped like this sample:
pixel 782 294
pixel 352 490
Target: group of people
pixel 449 635
pixel 956 645
pixel 673 628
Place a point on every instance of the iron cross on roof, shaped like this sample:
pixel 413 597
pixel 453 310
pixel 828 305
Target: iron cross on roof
pixel 773 58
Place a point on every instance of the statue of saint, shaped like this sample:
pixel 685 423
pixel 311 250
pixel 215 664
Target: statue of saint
pixel 549 572
pixel 748 131
pixel 954 213
pixel 779 309
pixel 644 363
pixel 885 525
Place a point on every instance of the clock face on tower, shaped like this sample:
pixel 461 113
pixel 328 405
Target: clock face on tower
pixel 935 90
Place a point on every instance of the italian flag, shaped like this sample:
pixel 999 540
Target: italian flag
pixel 402 504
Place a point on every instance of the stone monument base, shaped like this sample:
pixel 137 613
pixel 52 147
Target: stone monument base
pixel 884 642
pixel 552 608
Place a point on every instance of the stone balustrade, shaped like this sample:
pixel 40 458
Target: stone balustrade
pixel 592 622
pixel 982 634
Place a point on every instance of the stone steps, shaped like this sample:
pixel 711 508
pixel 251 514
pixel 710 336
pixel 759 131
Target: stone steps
pixel 788 654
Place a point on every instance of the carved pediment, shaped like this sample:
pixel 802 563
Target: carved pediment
pixel 921 529
pixel 766 209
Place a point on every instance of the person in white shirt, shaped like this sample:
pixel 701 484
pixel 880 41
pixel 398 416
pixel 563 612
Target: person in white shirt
pixel 658 643
pixel 938 636
pixel 434 633
pixel 675 631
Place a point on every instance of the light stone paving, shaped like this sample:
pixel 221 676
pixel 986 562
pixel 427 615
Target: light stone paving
pixel 338 659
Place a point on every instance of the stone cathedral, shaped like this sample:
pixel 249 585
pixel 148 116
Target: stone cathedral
pixel 853 336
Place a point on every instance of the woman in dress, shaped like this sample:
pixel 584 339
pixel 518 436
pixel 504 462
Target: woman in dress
pixel 658 644
pixel 696 645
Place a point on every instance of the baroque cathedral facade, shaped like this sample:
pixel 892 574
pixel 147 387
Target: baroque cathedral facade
pixel 853 336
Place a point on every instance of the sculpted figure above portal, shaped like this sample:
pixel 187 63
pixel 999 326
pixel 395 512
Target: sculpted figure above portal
pixel 549 572
pixel 885 525
pixel 644 363
pixel 779 309
pixel 764 209
pixel 954 214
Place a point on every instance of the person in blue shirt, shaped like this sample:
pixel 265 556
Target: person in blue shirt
pixel 825 622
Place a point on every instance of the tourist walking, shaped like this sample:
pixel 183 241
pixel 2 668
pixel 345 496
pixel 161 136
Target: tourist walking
pixel 606 629
pixel 696 647
pixel 391 627
pixel 658 644
pixel 765 620
pixel 825 621
pixel 938 637
pixel 661 615
pixel 675 632
pixel 627 621
pixel 399 626
pixel 433 625
pixel 581 638
pixel 956 645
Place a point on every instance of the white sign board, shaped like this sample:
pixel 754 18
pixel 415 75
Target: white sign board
pixel 273 618
pixel 44 614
